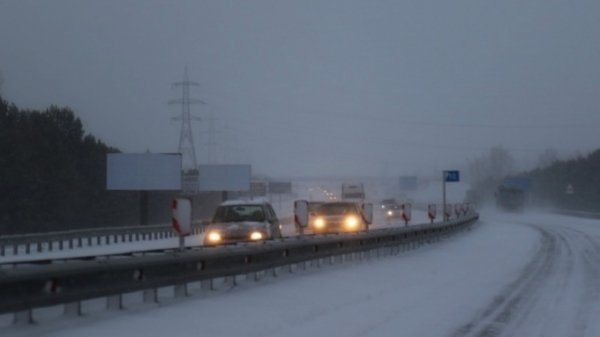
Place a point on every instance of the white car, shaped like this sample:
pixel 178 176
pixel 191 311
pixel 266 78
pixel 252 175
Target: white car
pixel 236 221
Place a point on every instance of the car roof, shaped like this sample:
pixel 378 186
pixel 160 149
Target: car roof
pixel 243 202
pixel 339 203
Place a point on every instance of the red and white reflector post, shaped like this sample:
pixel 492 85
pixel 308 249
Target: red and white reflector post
pixel 301 215
pixel 431 212
pixel 182 219
pixel 457 210
pixel 366 210
pixel 406 213
pixel 447 211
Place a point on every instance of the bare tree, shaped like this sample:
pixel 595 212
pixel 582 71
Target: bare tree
pixel 496 164
pixel 547 158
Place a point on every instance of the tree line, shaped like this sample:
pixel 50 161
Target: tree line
pixel 572 184
pixel 52 174
pixel 569 184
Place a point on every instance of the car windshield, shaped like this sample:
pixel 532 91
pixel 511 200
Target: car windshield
pixel 239 213
pixel 336 208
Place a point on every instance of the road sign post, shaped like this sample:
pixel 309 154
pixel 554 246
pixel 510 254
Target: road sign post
pixel 451 177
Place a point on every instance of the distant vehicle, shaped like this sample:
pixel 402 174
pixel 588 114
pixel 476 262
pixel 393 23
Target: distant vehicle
pixel 353 191
pixel 236 221
pixel 513 193
pixel 335 217
pixel 394 211
pixel 510 198
pixel 387 203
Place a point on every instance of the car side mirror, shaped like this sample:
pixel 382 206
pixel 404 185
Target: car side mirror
pixel 367 212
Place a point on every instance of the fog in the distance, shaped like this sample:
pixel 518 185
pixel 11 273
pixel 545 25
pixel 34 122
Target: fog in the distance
pixel 317 87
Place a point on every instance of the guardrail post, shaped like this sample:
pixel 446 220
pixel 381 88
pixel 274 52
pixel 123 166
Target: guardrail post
pixel 230 281
pixel 150 296
pixel 71 245
pixel 39 246
pixel 73 309
pixel 15 249
pixel 27 248
pixel 207 284
pixel 114 302
pixel 80 242
pixel 23 317
pixel 252 276
pixel 2 252
pixel 61 244
pixel 181 290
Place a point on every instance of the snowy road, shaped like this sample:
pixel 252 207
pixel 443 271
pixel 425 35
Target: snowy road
pixel 558 291
pixel 519 275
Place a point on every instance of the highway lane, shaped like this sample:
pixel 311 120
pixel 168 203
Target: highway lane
pixel 512 275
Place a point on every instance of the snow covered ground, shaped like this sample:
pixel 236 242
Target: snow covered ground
pixel 511 275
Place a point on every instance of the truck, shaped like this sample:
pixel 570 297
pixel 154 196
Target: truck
pixel 513 194
pixel 353 191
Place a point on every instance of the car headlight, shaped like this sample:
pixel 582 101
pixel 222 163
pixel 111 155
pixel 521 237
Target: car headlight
pixel 351 222
pixel 319 223
pixel 390 213
pixel 214 236
pixel 256 235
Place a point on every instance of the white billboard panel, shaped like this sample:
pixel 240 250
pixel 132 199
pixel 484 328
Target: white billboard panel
pixel 280 187
pixel 143 171
pixel 224 178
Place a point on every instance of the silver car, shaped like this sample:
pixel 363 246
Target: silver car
pixel 236 221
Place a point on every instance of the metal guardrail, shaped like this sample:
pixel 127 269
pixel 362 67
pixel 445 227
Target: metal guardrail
pixel 28 243
pixel 22 290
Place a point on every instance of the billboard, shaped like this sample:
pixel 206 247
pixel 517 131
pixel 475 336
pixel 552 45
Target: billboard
pixel 143 171
pixel 213 178
pixel 258 189
pixel 280 187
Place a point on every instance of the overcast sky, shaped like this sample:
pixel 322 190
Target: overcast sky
pixel 317 87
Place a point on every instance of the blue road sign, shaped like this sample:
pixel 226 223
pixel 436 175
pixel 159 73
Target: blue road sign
pixel 451 176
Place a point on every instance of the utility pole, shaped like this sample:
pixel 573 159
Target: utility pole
pixel 186 139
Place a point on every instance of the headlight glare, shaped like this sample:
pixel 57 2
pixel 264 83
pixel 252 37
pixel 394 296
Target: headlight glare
pixel 351 222
pixel 214 236
pixel 256 235
pixel 319 223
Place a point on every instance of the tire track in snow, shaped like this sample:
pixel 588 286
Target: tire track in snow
pixel 567 262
